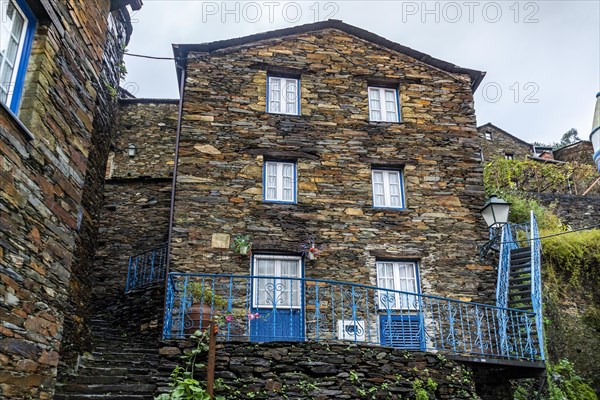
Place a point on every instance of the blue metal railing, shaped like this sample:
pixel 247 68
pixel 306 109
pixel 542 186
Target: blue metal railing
pixel 146 268
pixel 536 280
pixel 512 236
pixel 293 309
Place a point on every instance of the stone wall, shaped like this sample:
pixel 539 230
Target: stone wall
pixel 227 135
pixel 501 144
pixel 135 218
pixel 50 191
pixel 137 195
pixel 580 152
pixel 150 125
pixel 576 211
pixel 329 371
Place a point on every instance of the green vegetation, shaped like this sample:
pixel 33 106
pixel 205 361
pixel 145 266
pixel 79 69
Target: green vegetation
pixel 424 390
pixel 519 176
pixel 565 384
pixel 571 274
pixel 184 385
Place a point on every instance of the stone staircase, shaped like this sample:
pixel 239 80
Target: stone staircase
pixel 519 280
pixel 119 367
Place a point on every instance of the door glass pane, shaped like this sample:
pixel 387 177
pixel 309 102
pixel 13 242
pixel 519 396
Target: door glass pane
pixel 280 291
pixel 265 287
pixel 290 288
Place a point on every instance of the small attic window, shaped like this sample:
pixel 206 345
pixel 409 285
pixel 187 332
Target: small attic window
pixel 488 135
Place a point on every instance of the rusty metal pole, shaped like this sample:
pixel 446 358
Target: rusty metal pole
pixel 210 367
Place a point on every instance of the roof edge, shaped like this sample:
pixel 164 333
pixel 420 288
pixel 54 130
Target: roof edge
pixel 181 51
pixel 506 133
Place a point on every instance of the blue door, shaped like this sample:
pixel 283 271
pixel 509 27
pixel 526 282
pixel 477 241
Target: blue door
pixel 278 299
pixel 400 319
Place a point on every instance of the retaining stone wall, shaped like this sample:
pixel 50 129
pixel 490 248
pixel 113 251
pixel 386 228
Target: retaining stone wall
pixel 576 211
pixel 327 371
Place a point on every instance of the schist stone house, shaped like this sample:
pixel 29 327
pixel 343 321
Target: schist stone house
pixel 349 163
pixel 496 142
pixel 331 132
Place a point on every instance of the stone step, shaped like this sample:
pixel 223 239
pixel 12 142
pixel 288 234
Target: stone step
pixel 125 352
pixel 127 388
pixel 111 379
pixel 115 396
pixel 111 371
pixel 125 347
pixel 149 364
pixel 110 357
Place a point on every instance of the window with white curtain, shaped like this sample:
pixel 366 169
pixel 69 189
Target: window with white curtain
pixel 278 290
pixel 283 96
pixel 401 276
pixel 388 189
pixel 280 181
pixel 383 104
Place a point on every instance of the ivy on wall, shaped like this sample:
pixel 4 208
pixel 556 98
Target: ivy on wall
pixel 503 175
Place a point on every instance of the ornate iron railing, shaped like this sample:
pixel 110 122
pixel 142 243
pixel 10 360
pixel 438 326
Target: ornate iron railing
pixel 536 279
pixel 512 236
pixel 261 308
pixel 146 268
pixel 506 245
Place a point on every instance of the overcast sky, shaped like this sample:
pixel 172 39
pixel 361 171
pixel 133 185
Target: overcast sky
pixel 542 57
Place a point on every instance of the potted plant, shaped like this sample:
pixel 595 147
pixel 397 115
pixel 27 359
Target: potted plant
pixel 202 309
pixel 242 244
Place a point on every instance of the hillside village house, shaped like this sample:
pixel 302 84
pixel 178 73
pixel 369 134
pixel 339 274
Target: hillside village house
pixel 321 177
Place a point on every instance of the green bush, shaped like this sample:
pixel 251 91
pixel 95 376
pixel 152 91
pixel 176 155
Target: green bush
pixel 574 255
pixel 565 384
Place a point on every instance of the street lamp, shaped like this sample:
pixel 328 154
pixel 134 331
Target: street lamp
pixel 131 149
pixel 595 135
pixel 495 214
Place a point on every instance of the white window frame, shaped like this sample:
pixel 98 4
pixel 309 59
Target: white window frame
pixel 276 187
pixel 6 35
pixel 488 135
pixel 509 156
pixel 279 283
pixel 400 280
pixel 384 189
pixel 379 102
pixel 283 95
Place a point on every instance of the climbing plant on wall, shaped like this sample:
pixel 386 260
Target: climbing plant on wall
pixel 540 177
